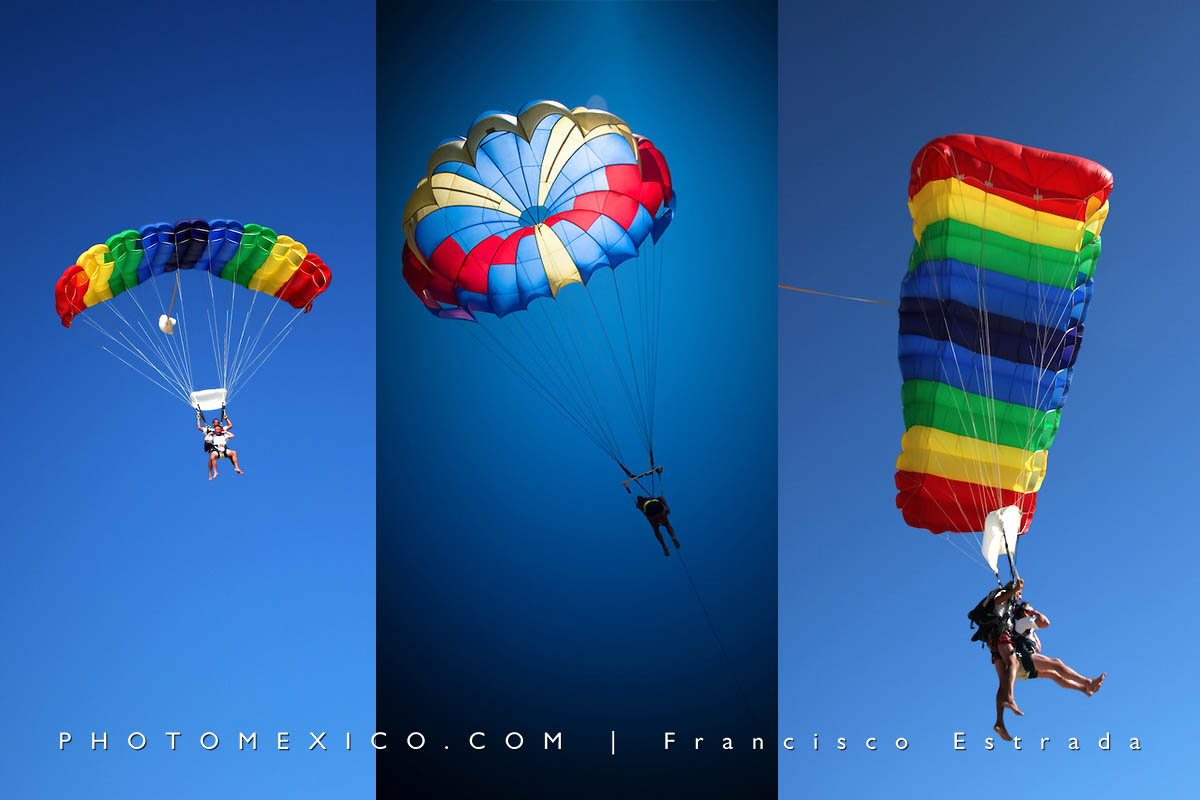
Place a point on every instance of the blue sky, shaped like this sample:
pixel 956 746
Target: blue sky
pixel 139 596
pixel 873 635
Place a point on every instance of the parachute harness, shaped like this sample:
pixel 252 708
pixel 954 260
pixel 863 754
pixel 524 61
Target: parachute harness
pixel 656 482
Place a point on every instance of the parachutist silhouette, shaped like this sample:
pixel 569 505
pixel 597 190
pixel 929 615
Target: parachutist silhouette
pixel 657 511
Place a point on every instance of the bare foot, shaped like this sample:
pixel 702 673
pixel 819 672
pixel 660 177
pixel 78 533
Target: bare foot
pixel 1011 705
pixel 1098 682
pixel 239 471
pixel 1000 729
pixel 210 476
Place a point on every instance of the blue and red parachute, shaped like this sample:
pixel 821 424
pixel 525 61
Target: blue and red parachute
pixel 522 209
pixel 525 205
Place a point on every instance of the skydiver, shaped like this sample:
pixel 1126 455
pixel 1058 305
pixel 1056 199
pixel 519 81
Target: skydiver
pixel 1004 657
pixel 656 511
pixel 1035 665
pixel 216 437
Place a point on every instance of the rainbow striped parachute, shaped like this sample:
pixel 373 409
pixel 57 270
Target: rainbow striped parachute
pixel 991 319
pixel 250 255
pixel 524 209
pixel 136 273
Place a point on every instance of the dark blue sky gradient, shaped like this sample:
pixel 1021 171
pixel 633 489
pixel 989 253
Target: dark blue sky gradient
pixel 139 596
pixel 873 633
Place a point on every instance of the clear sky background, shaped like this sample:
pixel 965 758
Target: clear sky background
pixel 873 633
pixel 137 595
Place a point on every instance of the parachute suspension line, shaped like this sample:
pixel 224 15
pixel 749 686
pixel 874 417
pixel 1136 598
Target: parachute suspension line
pixel 184 352
pixel 645 284
pixel 712 627
pixel 616 373
pixel 655 475
pixel 612 365
pixel 555 369
pixel 638 411
pixel 1041 348
pixel 972 554
pixel 185 348
pixel 978 493
pixel 966 419
pixel 641 411
pixel 831 294
pixel 214 324
pixel 232 366
pixel 170 386
pixel 214 336
pixel 163 352
pixel 646 412
pixel 649 287
pixel 253 358
pixel 582 322
pixel 233 284
pixel 173 393
pixel 987 438
pixel 255 364
pixel 161 349
pixel 506 356
pixel 1012 566
pixel 658 255
pixel 150 324
pixel 174 291
pixel 133 347
pixel 585 390
pixel 986 346
pixel 578 393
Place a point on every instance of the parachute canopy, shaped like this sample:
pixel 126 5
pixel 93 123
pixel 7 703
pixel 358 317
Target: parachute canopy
pixel 527 204
pixel 250 255
pixel 129 291
pixel 992 312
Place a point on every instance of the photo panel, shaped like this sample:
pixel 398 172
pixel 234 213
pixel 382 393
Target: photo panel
pixel 577 398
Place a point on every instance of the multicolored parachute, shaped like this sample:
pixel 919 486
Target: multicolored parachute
pixel 250 255
pixel 525 207
pixel 136 270
pixel 991 319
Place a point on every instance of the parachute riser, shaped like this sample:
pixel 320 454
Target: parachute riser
pixel 653 471
pixel 1001 526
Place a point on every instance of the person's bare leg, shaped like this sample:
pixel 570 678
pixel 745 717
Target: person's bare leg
pixel 1008 684
pixel 233 458
pixel 1061 674
pixel 671 531
pixel 212 466
pixel 1047 668
pixel 658 535
pixel 999 726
